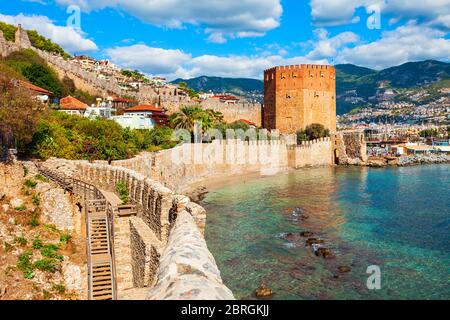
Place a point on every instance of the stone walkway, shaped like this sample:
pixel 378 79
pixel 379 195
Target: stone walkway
pixel 112 198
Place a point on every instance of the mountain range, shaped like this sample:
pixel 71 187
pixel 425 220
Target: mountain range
pixel 351 81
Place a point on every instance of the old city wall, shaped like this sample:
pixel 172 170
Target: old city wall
pixel 349 148
pixel 89 81
pixel 300 95
pixel 312 153
pixel 166 227
pixel 235 112
pixel 185 165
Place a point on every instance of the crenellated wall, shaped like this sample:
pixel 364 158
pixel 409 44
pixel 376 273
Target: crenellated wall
pixel 141 242
pixel 299 95
pixel 235 112
pixel 163 248
pixel 312 153
pixel 182 166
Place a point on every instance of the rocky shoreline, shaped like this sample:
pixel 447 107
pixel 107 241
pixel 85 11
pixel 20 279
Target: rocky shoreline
pixel 405 161
pixel 416 160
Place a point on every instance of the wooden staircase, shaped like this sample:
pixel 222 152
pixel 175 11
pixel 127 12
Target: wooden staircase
pixel 99 234
pixel 101 256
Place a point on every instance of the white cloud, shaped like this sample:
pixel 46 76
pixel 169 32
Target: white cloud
pixel 411 42
pixel 68 38
pixel 339 12
pixel 36 1
pixel 177 64
pixel 148 59
pixel 221 19
pixel 326 47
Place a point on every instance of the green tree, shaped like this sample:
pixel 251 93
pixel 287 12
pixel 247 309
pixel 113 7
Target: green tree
pixel 9 31
pixel 35 69
pixel 19 111
pixel 429 133
pixel 186 118
pixel 313 131
pixel 45 44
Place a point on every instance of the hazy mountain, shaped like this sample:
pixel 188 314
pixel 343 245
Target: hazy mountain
pixel 236 86
pixel 354 84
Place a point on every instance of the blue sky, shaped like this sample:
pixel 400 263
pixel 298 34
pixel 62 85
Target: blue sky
pixel 240 38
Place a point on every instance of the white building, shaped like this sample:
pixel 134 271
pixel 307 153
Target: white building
pixel 134 122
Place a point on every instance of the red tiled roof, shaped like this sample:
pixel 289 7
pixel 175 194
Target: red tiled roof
pixel 225 97
pixel 32 87
pixel 71 103
pixel 144 107
pixel 121 100
pixel 251 123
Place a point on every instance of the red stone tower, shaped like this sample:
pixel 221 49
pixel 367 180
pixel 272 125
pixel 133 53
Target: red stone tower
pixel 300 95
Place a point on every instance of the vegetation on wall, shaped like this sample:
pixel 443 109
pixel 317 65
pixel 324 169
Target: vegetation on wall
pixel 9 31
pixel 45 44
pixel 34 69
pixel 135 74
pixel 311 132
pixel 191 92
pixel 28 65
pixel 37 41
pixel 122 190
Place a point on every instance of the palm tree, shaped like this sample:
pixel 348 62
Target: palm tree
pixel 188 116
pixel 216 116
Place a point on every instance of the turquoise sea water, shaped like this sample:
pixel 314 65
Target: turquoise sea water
pixel 397 219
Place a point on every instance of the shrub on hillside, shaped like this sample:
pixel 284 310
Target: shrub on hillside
pixel 45 44
pixel 34 69
pixel 19 112
pixel 74 137
pixel 9 31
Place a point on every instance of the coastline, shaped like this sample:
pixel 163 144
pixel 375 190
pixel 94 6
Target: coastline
pixel 197 191
pixel 405 161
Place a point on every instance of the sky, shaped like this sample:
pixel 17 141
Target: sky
pixel 239 38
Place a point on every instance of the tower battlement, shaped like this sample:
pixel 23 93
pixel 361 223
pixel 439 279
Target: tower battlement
pixel 300 67
pixel 296 96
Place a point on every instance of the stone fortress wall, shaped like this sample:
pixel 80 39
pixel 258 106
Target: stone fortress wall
pixel 224 158
pixel 21 42
pixel 234 112
pixel 299 95
pixel 349 147
pixel 88 81
pixel 161 248
pixel 168 97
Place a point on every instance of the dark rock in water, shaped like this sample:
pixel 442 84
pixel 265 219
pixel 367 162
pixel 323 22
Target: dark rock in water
pixel 263 292
pixel 306 234
pixel 312 241
pixel 233 261
pixel 324 252
pixel 297 274
pixel 344 269
pixel 301 272
pixel 298 210
pixel 198 194
pixel 289 236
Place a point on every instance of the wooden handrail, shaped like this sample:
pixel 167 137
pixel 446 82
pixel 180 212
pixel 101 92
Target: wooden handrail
pixel 94 200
